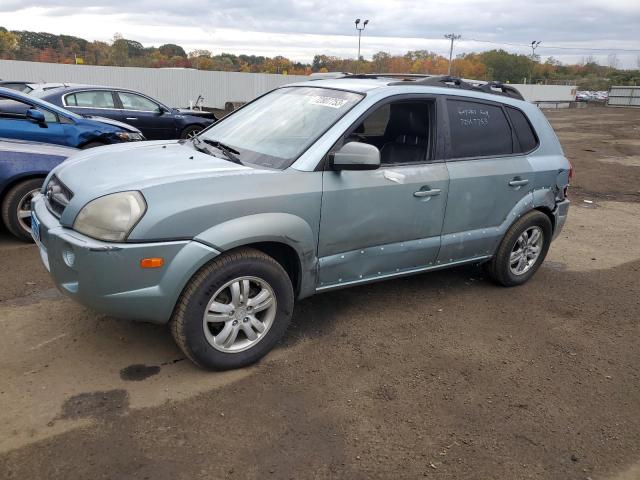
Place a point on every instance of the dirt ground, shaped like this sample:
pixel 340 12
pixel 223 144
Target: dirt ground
pixel 441 375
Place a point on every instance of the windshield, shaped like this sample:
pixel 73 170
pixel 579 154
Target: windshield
pixel 274 130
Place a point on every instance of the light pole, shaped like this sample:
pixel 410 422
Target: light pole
pixel 360 29
pixel 535 44
pixel 452 37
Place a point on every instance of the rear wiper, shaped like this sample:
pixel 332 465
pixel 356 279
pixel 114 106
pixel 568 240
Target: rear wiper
pixel 228 151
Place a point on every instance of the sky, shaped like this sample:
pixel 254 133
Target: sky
pixel 301 29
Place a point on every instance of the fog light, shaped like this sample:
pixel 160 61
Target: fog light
pixel 68 256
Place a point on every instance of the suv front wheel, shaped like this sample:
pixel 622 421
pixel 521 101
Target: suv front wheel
pixel 522 250
pixel 234 310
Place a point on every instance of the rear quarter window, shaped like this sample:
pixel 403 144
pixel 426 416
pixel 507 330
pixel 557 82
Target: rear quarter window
pixel 478 130
pixel 525 134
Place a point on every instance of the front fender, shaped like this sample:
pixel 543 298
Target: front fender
pixel 282 228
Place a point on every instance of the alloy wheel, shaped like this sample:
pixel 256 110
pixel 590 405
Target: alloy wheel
pixel 526 251
pixel 239 314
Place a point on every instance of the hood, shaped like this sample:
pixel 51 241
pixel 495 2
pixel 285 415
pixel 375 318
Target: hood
pixel 196 113
pixel 25 146
pixel 115 123
pixel 139 166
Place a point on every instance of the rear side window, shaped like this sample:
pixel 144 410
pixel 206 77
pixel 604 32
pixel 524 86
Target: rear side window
pixel 478 130
pixel 523 130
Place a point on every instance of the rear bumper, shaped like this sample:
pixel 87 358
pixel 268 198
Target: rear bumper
pixel 560 217
pixel 107 276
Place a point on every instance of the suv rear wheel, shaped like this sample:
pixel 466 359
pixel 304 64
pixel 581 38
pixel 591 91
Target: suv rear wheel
pixel 522 250
pixel 234 310
pixel 16 208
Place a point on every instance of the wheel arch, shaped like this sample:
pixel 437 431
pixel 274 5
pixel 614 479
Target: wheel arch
pixel 287 238
pixel 19 179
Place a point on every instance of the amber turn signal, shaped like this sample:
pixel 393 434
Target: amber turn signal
pixel 155 262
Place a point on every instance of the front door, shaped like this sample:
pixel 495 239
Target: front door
pixel 15 124
pixel 147 116
pixel 385 222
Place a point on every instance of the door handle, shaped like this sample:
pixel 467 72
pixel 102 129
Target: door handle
pixel 518 182
pixel 427 193
pixel 132 118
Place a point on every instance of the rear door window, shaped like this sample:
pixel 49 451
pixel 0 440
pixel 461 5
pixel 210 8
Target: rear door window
pixel 524 132
pixel 478 130
pixel 91 99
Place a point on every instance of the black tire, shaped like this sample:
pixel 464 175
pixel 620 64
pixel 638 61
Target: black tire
pixel 191 130
pixel 187 319
pixel 499 269
pixel 11 205
pixel 92 145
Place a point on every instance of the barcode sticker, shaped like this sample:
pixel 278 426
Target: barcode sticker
pixel 331 102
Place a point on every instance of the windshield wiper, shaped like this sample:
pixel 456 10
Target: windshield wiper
pixel 229 152
pixel 200 146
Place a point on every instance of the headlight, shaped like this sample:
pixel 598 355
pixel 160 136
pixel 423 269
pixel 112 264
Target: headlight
pixel 129 136
pixel 111 217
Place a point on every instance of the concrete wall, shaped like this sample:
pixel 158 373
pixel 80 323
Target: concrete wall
pixel 175 87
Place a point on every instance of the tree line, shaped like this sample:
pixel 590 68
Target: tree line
pixel 497 65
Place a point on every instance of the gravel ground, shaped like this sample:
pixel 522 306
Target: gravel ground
pixel 441 375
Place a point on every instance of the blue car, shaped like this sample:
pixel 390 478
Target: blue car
pixel 23 167
pixel 28 118
pixel 155 120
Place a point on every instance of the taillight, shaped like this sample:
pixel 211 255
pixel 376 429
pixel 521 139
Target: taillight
pixel 571 172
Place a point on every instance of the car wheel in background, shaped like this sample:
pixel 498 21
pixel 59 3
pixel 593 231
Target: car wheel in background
pixel 190 131
pixel 522 250
pixel 234 310
pixel 16 208
pixel 92 145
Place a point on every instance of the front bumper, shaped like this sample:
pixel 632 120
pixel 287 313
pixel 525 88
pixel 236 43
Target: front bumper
pixel 560 217
pixel 107 277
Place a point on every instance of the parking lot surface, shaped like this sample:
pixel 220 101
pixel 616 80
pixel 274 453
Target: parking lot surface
pixel 442 375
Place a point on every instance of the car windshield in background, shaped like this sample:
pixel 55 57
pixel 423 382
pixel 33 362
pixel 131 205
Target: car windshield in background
pixel 276 129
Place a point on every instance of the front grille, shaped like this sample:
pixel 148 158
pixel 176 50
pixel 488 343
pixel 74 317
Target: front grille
pixel 57 196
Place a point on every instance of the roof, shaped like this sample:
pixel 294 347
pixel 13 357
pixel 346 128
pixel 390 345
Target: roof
pixel 365 83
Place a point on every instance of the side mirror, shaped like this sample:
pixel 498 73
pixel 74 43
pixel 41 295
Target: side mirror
pixel 356 156
pixel 36 116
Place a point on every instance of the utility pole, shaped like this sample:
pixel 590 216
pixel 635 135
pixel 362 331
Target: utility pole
pixel 453 37
pixel 359 29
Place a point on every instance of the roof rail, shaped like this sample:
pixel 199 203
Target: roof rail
pixel 504 89
pixel 495 88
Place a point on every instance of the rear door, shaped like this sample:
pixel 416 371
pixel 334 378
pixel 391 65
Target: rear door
pixel 147 115
pixel 488 177
pixel 99 103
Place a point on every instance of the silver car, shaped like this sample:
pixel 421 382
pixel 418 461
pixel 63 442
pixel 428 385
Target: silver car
pixel 312 187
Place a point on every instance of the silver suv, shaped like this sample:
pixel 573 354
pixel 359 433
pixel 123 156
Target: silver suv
pixel 314 186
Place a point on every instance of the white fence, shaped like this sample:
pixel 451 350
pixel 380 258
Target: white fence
pixel 547 93
pixel 176 86
pixel 173 86
pixel 624 97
